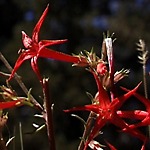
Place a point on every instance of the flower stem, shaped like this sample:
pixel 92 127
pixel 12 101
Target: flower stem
pixel 86 130
pixel 143 57
pixel 145 89
pixel 48 114
pixel 145 81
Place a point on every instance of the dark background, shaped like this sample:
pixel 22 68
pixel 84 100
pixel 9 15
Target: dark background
pixel 83 23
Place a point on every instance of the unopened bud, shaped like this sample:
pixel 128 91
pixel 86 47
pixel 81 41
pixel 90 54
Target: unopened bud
pixel 101 68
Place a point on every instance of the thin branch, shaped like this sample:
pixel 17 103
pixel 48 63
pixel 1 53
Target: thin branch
pixel 21 84
pixel 87 130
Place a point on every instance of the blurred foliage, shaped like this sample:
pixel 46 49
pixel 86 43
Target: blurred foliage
pixel 82 22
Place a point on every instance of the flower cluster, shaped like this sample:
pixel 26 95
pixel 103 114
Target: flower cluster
pixel 106 104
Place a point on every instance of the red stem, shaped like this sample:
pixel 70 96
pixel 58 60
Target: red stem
pixel 48 114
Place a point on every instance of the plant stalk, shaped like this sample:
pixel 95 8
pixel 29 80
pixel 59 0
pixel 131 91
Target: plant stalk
pixel 144 81
pixel 48 114
pixel 87 130
pixel 145 89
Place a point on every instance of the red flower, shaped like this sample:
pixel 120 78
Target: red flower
pixel 36 48
pixel 106 110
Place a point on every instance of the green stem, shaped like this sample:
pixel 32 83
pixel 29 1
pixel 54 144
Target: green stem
pixel 87 130
pixel 48 114
pixel 145 81
pixel 145 89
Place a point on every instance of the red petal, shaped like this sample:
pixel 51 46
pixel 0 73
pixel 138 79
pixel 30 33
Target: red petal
pixel 45 43
pixel 144 100
pixel 135 114
pixel 118 102
pixel 93 108
pixel 117 121
pixel 35 68
pixel 35 34
pixel 49 53
pixel 144 122
pixel 24 56
pixel 27 41
pixel 103 97
pixel 5 105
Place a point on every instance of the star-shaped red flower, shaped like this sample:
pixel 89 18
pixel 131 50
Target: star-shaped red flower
pixel 36 48
pixel 106 111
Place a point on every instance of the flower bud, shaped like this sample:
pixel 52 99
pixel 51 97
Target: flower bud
pixel 101 68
